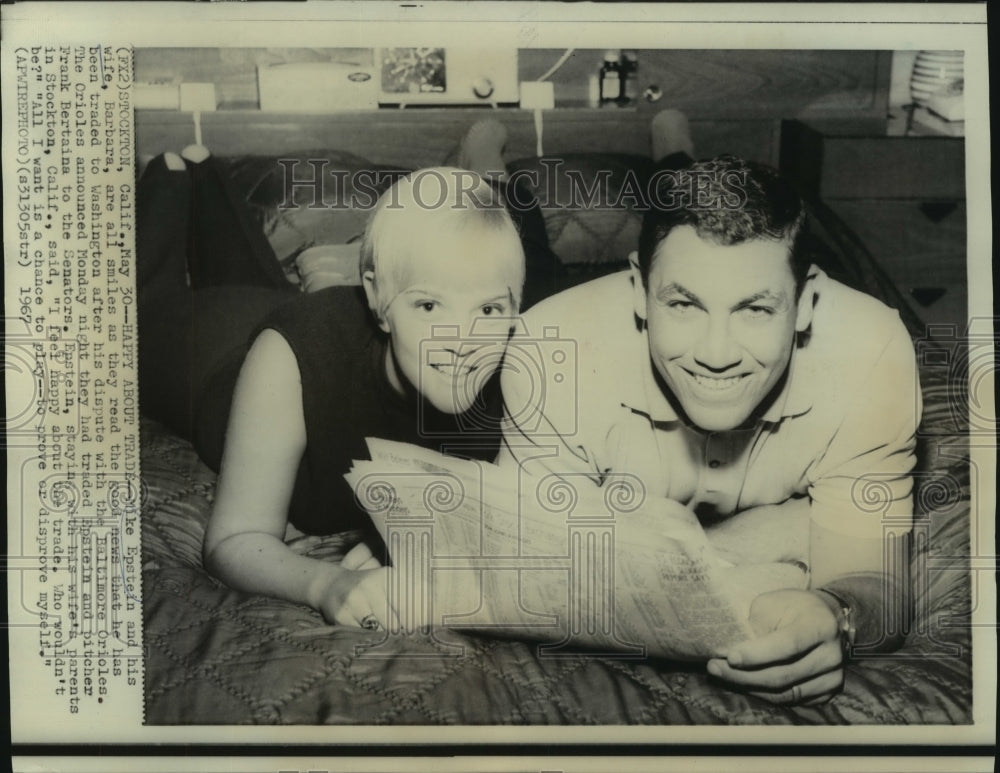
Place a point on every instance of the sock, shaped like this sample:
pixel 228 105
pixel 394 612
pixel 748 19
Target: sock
pixel 671 133
pixel 227 246
pixel 163 214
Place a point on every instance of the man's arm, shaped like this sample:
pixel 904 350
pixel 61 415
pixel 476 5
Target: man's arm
pixel 765 534
pixel 860 519
pixel 872 592
pixel 862 511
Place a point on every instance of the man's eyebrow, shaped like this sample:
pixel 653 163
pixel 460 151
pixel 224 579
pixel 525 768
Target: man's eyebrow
pixel 667 290
pixel 763 295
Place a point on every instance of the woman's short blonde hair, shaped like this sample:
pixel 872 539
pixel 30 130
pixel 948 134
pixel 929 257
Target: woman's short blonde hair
pixel 429 204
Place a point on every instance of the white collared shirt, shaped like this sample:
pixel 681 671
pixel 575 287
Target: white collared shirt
pixel 583 399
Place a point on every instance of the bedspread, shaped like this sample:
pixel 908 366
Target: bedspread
pixel 218 656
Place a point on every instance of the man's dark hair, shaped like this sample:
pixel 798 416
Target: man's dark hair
pixel 727 200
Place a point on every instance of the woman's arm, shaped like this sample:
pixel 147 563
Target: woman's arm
pixel 244 543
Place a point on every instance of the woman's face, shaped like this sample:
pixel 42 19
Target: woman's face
pixel 450 318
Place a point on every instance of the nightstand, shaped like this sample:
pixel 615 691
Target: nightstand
pixel 904 197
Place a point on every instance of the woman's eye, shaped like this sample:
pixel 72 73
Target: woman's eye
pixel 758 311
pixel 427 305
pixel 680 306
pixel 491 309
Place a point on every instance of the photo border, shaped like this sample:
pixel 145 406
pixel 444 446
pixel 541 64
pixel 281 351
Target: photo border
pixel 544 25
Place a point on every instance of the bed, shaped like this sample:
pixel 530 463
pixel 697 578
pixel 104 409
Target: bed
pixel 219 656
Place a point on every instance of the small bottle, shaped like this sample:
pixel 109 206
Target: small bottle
pixel 610 77
pixel 594 90
pixel 628 68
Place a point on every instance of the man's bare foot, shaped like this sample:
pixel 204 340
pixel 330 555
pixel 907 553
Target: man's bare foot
pixel 671 133
pixel 481 149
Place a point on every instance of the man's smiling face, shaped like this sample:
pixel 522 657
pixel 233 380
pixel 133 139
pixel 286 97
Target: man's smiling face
pixel 721 321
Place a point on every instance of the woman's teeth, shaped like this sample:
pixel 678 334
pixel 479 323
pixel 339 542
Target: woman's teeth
pixel 453 370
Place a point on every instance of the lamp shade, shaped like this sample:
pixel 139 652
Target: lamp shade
pixel 934 71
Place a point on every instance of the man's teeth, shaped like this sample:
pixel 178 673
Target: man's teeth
pixel 716 383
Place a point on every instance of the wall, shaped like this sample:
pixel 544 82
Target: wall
pixel 736 100
pixel 785 84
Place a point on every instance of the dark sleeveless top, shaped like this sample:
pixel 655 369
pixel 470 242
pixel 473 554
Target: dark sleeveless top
pixel 346 397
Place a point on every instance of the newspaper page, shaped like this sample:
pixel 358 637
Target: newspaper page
pixel 599 570
pixel 111 614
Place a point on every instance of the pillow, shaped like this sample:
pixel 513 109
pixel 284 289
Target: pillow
pixel 589 201
pixel 296 216
pixel 328 265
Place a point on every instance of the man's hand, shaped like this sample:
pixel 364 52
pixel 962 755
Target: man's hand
pixel 797 657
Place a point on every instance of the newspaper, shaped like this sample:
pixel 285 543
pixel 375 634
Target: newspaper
pixel 554 559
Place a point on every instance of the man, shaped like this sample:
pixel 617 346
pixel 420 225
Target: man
pixel 731 375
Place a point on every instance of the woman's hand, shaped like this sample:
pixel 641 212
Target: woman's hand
pixel 798 656
pixel 360 557
pixel 357 597
pixel 359 594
